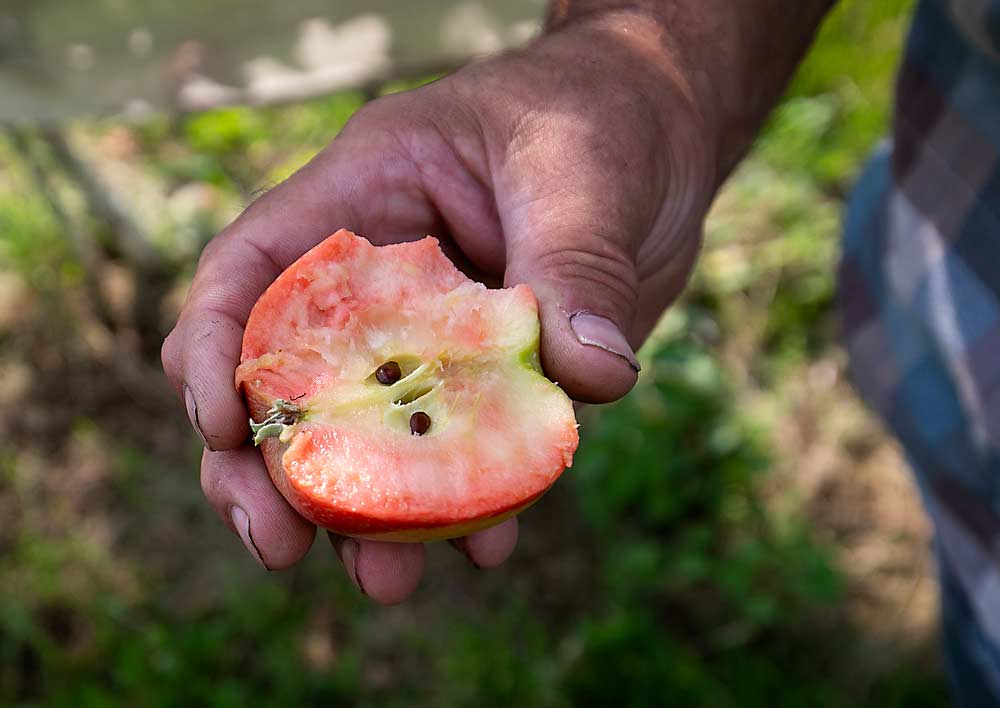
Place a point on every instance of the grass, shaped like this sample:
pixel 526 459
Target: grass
pixel 680 563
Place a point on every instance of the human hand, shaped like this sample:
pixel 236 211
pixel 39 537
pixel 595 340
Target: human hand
pixel 579 166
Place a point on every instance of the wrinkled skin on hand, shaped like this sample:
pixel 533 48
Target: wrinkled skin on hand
pixel 578 166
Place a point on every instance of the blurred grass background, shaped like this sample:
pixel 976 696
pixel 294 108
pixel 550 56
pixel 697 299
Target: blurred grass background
pixel 736 532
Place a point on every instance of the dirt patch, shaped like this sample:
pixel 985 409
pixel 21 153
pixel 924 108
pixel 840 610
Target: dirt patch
pixel 848 475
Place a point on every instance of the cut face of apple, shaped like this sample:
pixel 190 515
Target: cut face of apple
pixel 395 399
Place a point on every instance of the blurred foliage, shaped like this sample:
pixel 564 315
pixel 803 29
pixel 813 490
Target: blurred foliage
pixel 32 242
pixel 840 101
pixel 656 574
pixel 773 242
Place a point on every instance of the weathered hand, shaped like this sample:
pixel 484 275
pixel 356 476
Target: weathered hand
pixel 578 166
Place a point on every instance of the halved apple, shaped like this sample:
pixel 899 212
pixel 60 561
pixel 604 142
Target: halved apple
pixel 396 399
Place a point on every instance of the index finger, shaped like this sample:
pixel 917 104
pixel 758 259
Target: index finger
pixel 202 352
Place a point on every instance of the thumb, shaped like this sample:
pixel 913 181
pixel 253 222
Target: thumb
pixel 583 273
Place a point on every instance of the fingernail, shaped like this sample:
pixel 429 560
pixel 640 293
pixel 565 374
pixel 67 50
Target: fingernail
pixel 242 523
pixel 462 547
pixel 348 550
pixel 192 410
pixel 596 331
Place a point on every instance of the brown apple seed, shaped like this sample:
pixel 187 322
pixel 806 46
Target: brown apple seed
pixel 389 373
pixel 420 423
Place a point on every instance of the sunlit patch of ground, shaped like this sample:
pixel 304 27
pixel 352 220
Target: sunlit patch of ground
pixel 840 466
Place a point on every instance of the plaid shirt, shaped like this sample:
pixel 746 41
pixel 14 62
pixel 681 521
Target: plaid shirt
pixel 920 296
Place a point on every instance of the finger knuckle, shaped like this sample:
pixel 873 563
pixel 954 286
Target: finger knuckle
pixel 213 480
pixel 601 273
pixel 212 248
pixel 170 355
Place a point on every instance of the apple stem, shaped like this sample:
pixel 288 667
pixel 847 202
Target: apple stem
pixel 281 415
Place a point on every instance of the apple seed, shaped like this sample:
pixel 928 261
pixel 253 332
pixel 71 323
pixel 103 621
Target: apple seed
pixel 388 374
pixel 420 423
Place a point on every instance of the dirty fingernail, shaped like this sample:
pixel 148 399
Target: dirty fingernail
pixel 596 331
pixel 192 411
pixel 462 547
pixel 348 550
pixel 242 523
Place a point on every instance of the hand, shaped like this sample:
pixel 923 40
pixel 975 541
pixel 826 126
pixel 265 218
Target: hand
pixel 578 166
